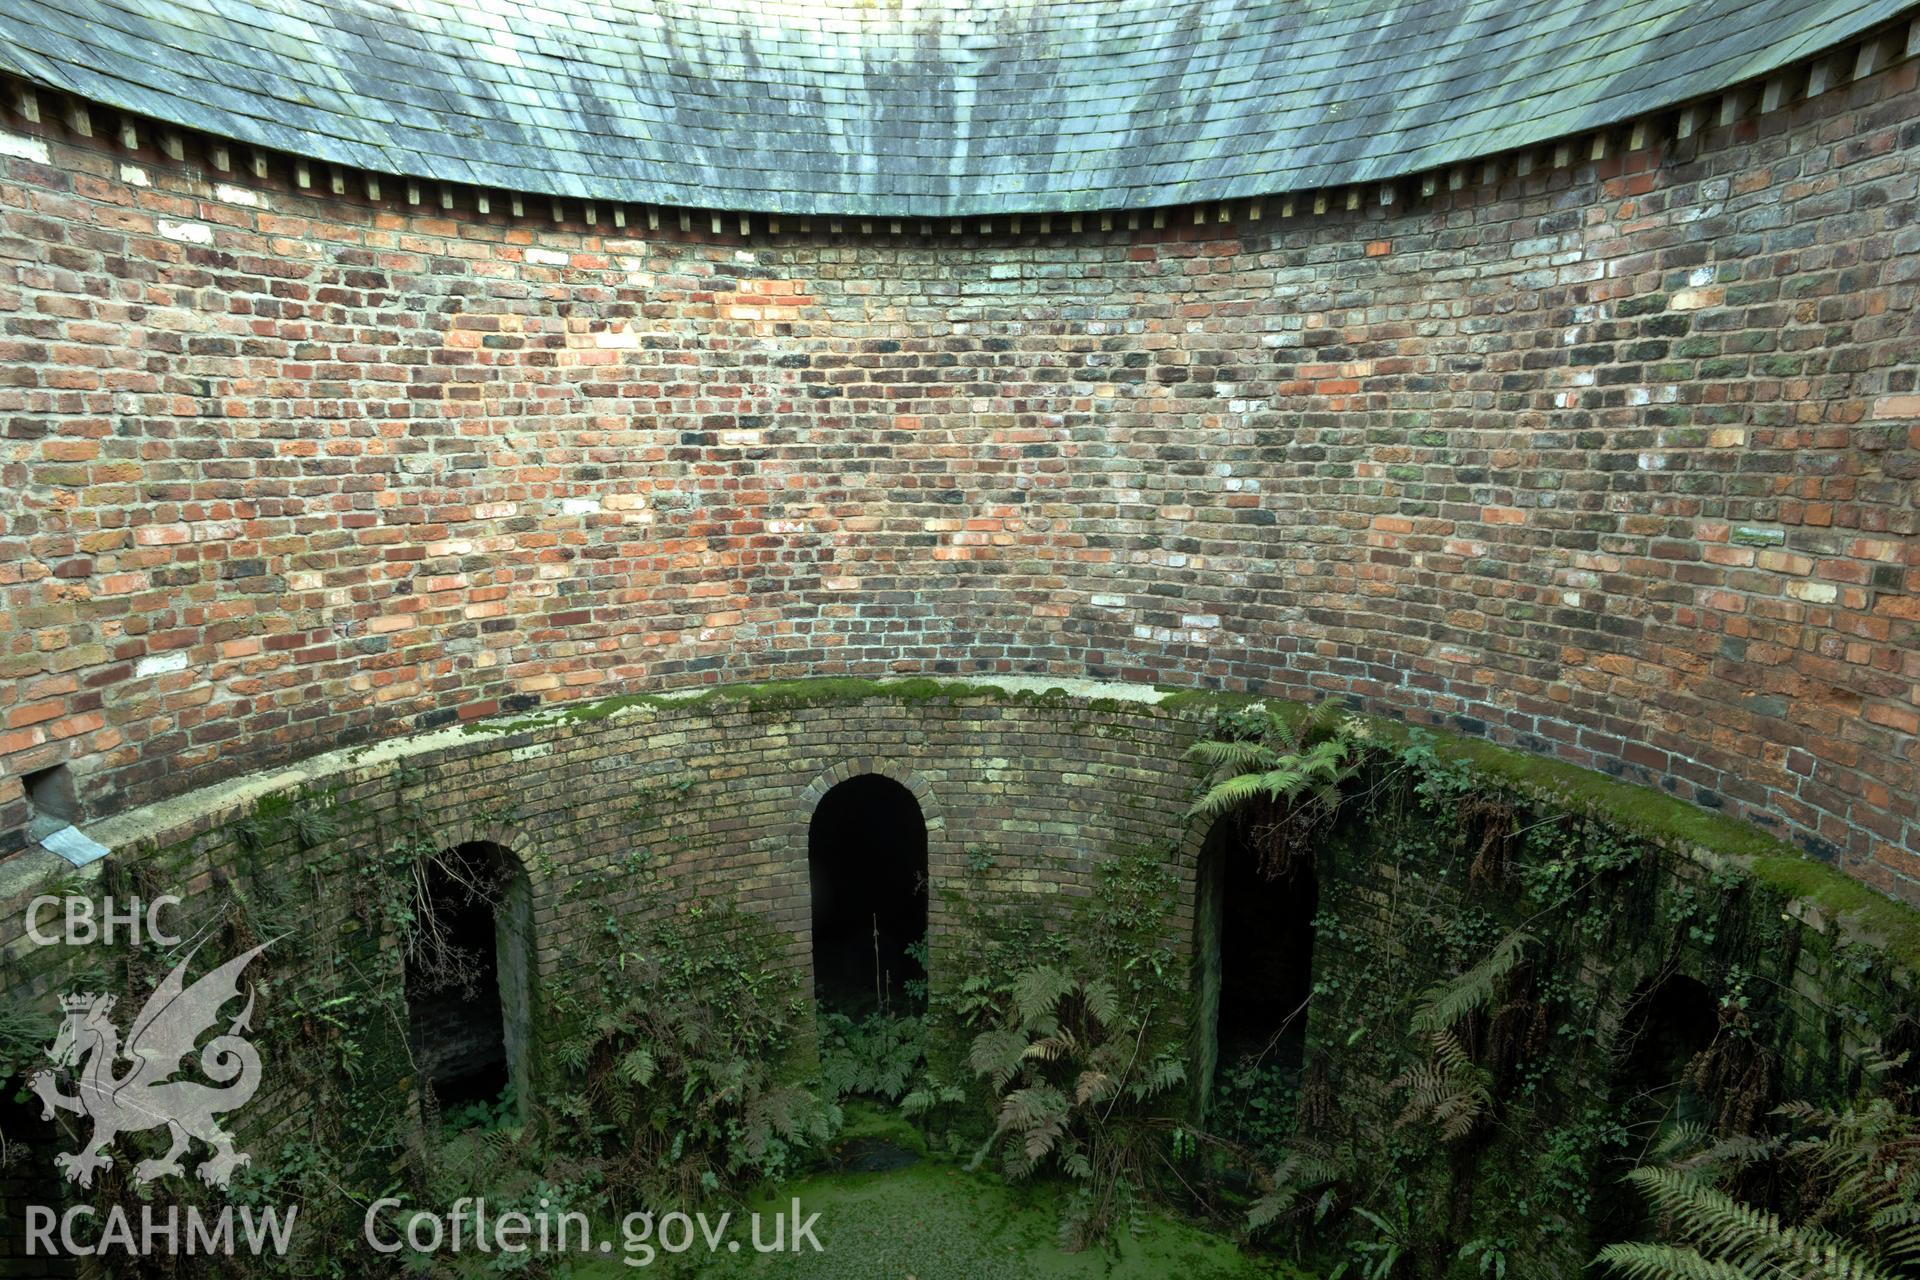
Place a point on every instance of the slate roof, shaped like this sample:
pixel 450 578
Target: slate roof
pixel 899 108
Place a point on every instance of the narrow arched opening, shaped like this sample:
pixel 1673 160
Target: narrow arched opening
pixel 32 1192
pixel 867 871
pixel 1668 1025
pixel 1670 1022
pixel 468 984
pixel 1254 968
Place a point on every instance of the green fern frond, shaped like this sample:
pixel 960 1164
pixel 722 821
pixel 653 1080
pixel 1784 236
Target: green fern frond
pixel 1230 793
pixel 1640 1261
pixel 1746 1235
pixel 997 1054
pixel 1163 1073
pixel 1102 999
pixel 1896 1215
pixel 1240 755
pixel 637 1067
pixel 1448 1002
pixel 1037 993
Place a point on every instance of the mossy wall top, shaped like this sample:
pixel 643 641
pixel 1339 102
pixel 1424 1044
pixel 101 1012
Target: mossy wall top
pixel 622 811
pixel 1613 461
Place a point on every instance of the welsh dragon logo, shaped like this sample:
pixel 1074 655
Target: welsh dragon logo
pixel 142 1096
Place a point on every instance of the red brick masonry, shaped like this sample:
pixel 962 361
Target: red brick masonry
pixel 1615 462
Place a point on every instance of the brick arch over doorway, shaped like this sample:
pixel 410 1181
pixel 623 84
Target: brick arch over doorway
pixel 899 897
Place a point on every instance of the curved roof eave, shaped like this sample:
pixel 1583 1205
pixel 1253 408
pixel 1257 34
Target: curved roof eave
pixel 908 109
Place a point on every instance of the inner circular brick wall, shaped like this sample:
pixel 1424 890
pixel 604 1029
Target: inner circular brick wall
pixel 1614 461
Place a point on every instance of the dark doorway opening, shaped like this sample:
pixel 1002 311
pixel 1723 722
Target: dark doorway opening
pixel 1255 961
pixel 1666 1028
pixel 28 1177
pixel 467 976
pixel 867 867
pixel 1668 1024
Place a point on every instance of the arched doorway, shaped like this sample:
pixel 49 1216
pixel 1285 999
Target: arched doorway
pixel 1669 1022
pixel 867 870
pixel 29 1180
pixel 468 966
pixel 1253 951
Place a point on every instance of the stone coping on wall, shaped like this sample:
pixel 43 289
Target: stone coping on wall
pixel 1815 893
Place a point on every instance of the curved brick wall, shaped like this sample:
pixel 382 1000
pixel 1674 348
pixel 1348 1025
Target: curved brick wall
pixel 715 796
pixel 1614 462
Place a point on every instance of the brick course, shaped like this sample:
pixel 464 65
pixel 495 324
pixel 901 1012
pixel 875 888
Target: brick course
pixel 1614 462
pixel 714 798
pixel 1025 796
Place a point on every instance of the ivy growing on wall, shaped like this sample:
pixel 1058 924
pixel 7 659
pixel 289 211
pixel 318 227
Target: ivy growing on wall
pixel 1486 959
pixel 1466 1107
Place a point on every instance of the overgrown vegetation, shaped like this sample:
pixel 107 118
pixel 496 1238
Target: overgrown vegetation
pixel 1447 1124
pixel 1282 782
pixel 1465 1109
pixel 670 1056
pixel 1076 1069
pixel 877 1056
pixel 674 1065
pixel 1828 1195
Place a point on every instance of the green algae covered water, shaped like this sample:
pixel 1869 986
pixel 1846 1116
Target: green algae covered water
pixel 935 1221
pixel 928 1218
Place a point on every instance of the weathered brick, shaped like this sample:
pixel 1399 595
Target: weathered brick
pixel 361 465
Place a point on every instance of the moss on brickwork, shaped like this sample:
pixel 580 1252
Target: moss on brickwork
pixel 765 696
pixel 1673 823
pixel 1653 815
pixel 1644 811
pixel 1892 926
pixel 1040 787
pixel 1212 701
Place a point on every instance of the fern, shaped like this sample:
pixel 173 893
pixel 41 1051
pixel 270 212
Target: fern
pixel 1103 1001
pixel 1640 1261
pixel 1264 774
pixel 1071 1064
pixel 1448 1090
pixel 1036 994
pixel 1856 1208
pixel 670 1063
pixel 636 1067
pixel 1235 755
pixel 1303 1181
pixel 1446 1003
pixel 1746 1235
pixel 997 1053
pixel 1282 780
pixel 929 1097
pixel 876 1056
